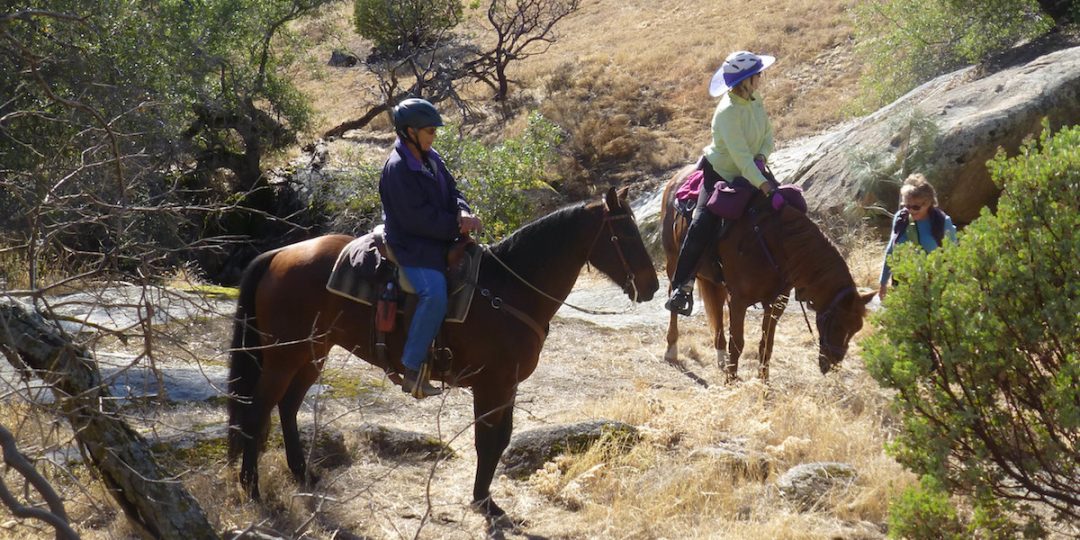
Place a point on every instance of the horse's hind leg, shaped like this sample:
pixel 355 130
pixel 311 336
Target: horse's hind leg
pixel 770 319
pixel 269 391
pixel 287 409
pixel 714 296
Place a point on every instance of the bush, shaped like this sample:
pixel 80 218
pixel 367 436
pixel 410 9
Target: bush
pixel 495 179
pixel 981 341
pixel 394 25
pixel 908 42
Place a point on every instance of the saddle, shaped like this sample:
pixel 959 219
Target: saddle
pixel 366 268
pixel 367 264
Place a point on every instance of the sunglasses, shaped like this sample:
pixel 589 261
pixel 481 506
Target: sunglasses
pixel 914 207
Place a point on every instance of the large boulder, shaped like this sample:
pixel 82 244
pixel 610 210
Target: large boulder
pixel 528 451
pixel 966 119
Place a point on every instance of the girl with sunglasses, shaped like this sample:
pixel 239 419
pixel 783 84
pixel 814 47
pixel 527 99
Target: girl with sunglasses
pixel 918 220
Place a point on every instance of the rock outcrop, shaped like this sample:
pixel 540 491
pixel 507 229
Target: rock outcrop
pixel 949 127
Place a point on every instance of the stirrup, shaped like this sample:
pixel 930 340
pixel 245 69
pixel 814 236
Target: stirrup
pixel 416 383
pixel 681 301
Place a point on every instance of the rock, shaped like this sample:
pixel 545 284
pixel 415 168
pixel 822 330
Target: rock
pixel 970 119
pixel 328 449
pixel 740 460
pixel 529 450
pixel 342 59
pixel 388 442
pixel 808 483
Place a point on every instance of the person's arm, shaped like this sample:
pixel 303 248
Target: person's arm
pixel 731 133
pixel 467 222
pixel 886 272
pixel 950 230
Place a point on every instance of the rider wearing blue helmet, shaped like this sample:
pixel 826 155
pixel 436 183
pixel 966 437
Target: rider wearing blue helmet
pixel 424 213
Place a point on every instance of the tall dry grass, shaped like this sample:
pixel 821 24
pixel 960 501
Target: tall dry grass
pixel 628 80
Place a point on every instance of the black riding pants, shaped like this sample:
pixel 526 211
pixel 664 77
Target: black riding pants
pixel 703 228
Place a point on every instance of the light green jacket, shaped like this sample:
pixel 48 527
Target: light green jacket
pixel 740 130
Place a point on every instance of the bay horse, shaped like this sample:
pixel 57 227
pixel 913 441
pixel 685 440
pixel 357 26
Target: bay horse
pixel 286 322
pixel 764 254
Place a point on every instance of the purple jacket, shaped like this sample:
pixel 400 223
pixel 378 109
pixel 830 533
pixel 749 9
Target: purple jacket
pixel 420 209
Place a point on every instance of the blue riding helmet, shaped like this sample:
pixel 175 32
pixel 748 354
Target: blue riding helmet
pixel 415 113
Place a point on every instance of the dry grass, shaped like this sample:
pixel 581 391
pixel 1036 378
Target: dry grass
pixel 628 79
pixel 662 487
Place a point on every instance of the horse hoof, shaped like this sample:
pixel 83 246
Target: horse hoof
pixel 489 509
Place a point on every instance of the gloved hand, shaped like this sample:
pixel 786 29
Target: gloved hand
pixel 777 200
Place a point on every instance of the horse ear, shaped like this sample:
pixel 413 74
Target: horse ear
pixel 613 200
pixel 867 297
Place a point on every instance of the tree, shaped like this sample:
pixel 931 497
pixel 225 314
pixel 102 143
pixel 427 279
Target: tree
pixel 127 130
pixel 981 341
pixel 907 42
pixel 522 28
pixel 400 26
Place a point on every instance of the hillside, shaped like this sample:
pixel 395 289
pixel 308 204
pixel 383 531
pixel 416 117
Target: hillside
pixel 627 80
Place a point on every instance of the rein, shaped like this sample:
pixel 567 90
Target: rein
pixel 498 304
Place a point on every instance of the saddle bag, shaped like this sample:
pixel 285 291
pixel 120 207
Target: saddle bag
pixel 729 200
pixel 386 309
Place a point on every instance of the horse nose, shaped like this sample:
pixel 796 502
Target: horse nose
pixel 647 292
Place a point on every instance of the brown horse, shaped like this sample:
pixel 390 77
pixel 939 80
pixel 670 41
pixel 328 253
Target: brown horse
pixel 286 322
pixel 764 255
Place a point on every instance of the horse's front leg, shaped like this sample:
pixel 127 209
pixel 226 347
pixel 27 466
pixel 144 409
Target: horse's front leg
pixel 770 319
pixel 671 356
pixel 493 408
pixel 737 314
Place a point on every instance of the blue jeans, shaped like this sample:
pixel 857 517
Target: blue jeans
pixel 430 286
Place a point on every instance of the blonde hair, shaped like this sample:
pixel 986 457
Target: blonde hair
pixel 917 187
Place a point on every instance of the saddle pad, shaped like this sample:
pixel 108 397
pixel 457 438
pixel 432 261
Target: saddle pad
pixel 360 270
pixel 690 188
pixel 356 269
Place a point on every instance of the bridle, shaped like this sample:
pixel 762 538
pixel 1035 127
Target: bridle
pixel 825 320
pixel 614 238
pixel 498 304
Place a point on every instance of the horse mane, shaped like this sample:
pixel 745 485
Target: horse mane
pixel 550 229
pixel 814 261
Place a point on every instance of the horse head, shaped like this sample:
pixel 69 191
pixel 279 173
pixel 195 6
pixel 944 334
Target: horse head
pixel 619 252
pixel 838 323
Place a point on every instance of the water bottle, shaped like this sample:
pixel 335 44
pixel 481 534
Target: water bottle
pixel 386 309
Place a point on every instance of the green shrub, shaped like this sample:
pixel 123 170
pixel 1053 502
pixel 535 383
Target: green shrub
pixel 924 511
pixel 981 342
pixel 908 42
pixel 394 25
pixel 495 179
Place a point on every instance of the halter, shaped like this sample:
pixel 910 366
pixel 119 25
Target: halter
pixel 498 304
pixel 826 318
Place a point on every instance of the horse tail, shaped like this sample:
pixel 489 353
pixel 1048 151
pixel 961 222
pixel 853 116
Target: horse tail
pixel 245 363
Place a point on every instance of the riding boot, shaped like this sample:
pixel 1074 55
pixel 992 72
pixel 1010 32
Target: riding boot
pixel 416 382
pixel 700 235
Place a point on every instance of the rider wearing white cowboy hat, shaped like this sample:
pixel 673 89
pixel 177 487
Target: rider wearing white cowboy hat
pixel 742 139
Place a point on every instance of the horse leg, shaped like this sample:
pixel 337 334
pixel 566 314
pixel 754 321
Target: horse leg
pixel 671 356
pixel 770 319
pixel 287 409
pixel 255 423
pixel 493 408
pixel 713 295
pixel 737 314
